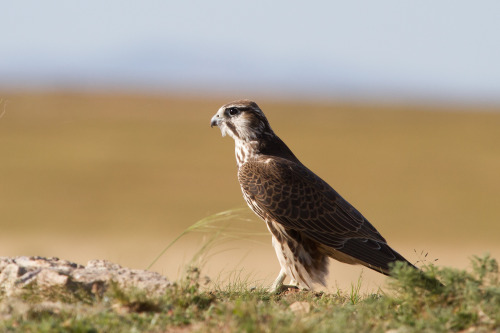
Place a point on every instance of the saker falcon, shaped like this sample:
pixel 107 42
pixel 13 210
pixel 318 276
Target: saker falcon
pixel 309 221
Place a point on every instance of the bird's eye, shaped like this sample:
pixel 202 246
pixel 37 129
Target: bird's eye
pixel 233 111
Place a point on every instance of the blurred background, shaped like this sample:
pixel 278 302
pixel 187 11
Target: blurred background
pixel 106 150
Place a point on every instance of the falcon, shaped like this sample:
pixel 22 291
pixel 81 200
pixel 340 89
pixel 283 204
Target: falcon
pixel 309 221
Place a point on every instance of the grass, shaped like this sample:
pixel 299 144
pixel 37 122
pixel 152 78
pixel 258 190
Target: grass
pixel 222 226
pixel 469 301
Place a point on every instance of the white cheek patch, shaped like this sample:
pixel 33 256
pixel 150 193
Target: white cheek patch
pixel 223 129
pixel 244 128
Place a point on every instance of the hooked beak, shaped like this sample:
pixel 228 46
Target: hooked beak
pixel 215 121
pixel 217 118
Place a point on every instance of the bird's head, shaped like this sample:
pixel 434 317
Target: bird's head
pixel 242 120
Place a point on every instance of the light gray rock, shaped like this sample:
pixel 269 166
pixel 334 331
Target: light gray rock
pixel 95 277
pixel 8 277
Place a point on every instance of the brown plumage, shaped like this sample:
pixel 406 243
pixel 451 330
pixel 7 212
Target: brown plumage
pixel 309 221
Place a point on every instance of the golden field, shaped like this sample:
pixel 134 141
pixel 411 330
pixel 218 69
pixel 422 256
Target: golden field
pixel 117 177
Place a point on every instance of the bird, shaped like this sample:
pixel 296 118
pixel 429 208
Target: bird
pixel 308 220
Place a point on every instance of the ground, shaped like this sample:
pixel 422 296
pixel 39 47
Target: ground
pixel 468 302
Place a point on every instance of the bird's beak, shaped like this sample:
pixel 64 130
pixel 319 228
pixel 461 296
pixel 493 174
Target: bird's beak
pixel 215 121
pixel 217 118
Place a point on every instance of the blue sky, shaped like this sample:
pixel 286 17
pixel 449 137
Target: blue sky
pixel 444 50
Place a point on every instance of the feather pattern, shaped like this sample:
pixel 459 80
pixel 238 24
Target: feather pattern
pixel 309 221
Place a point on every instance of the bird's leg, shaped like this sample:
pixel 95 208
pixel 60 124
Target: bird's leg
pixel 278 283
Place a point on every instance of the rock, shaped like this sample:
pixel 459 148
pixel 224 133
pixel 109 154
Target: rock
pixel 47 278
pixel 95 277
pixel 101 272
pixel 8 277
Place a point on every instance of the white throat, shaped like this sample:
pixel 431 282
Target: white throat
pixel 244 151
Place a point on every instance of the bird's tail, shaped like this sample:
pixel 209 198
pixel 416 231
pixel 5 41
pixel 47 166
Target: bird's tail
pixel 382 258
